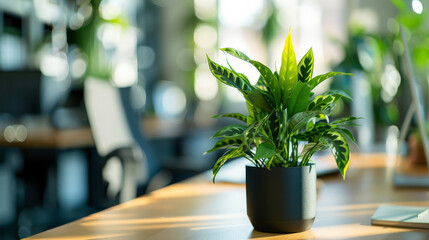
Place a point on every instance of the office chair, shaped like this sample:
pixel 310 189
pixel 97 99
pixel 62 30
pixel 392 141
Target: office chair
pixel 128 160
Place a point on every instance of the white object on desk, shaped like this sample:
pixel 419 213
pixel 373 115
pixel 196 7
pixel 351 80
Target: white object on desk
pixel 401 216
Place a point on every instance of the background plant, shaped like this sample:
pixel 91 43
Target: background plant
pixel 283 111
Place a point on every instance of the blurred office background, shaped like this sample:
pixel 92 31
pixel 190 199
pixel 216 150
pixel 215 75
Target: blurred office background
pixel 105 100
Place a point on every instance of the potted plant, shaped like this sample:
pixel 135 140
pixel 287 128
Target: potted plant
pixel 283 114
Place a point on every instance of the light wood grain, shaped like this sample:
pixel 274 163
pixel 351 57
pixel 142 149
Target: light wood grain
pixel 198 209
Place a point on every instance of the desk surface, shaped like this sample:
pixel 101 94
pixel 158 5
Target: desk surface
pixel 198 209
pixel 39 133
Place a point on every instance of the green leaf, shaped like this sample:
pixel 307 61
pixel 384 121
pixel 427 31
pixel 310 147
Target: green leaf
pixel 338 94
pixel 319 79
pixel 299 120
pixel 230 131
pixel 225 143
pixel 260 84
pixel 267 76
pixel 257 98
pixel 232 153
pixel 305 67
pixel 320 102
pixel 229 77
pixel 250 134
pixel 340 149
pixel 251 110
pixel 288 70
pixel 265 92
pixel 313 147
pixel 298 101
pixel 309 149
pixel 237 116
pixel 349 135
pixel 318 130
pixel 265 150
pixel 347 121
pixel 253 132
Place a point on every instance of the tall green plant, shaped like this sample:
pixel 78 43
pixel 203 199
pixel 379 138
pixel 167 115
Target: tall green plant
pixel 282 112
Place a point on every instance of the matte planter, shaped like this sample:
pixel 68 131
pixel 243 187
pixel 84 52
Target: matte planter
pixel 281 199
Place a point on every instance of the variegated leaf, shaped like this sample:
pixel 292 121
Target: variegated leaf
pixel 225 143
pixel 337 142
pixel 250 134
pixel 231 153
pixel 318 130
pixel 313 147
pixel 305 67
pixel 267 76
pixel 347 121
pixel 229 77
pixel 237 116
pixel 319 103
pixel 349 135
pixel 338 94
pixel 230 131
pixel 319 79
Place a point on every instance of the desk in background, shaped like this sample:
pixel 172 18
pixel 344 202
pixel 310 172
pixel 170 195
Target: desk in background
pixel 198 209
pixel 40 133
pixel 45 154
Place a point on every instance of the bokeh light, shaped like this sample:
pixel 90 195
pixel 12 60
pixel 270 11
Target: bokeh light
pixel 206 86
pixel 417 6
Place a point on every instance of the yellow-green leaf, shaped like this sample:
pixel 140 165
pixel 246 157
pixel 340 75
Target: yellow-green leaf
pixel 288 69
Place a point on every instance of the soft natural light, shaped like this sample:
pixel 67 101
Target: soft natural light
pixel 54 65
pixel 109 35
pixel 109 9
pixel 241 66
pixel 239 13
pixel 76 21
pixel 46 10
pixel 125 74
pixel 234 95
pixel 417 6
pixel 206 87
pixel 205 36
pixel 205 9
pixel 78 68
pixel 169 101
pixel 390 81
pixel 173 101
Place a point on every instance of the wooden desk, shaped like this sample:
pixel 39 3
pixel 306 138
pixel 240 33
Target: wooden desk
pixel 41 134
pixel 198 209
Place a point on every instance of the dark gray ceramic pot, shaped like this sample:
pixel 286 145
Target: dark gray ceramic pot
pixel 281 199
